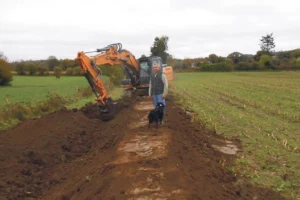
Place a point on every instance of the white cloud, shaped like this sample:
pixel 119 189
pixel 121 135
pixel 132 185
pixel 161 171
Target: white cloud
pixel 35 29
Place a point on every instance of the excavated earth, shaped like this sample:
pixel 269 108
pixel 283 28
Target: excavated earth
pixel 71 154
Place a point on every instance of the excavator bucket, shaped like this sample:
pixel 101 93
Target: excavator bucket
pixel 108 111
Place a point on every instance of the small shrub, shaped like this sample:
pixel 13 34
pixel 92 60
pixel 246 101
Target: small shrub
pixel 43 70
pixel 77 71
pixel 115 73
pixel 265 62
pixel 5 73
pixel 69 71
pixel 298 63
pixel 57 71
pixel 31 68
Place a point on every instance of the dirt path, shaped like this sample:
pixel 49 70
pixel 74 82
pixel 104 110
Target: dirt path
pixel 66 155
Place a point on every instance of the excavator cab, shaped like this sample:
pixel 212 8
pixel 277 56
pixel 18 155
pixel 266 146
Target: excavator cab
pixel 145 72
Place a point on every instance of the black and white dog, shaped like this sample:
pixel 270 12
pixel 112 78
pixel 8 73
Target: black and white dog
pixel 157 114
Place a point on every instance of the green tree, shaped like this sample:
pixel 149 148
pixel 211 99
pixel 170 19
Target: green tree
pixel 69 71
pixel 66 63
pixel 52 62
pixel 5 72
pixel 298 63
pixel 296 53
pixel 213 58
pixel 31 68
pixel 160 47
pixel 228 65
pixel 21 68
pixel 57 71
pixel 43 70
pixel 267 43
pixel 237 57
pixel 77 71
pixel 259 54
pixel 265 62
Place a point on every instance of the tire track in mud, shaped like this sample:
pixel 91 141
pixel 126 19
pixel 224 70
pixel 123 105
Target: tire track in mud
pixel 145 146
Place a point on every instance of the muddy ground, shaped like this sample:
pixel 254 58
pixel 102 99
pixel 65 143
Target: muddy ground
pixel 70 154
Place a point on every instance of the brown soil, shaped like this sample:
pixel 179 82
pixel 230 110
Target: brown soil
pixel 70 154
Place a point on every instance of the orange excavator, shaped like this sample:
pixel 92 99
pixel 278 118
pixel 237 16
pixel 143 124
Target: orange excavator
pixel 137 73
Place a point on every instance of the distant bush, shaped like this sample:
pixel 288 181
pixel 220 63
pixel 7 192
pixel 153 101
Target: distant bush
pixel 228 65
pixel 69 71
pixel 285 64
pixel 243 66
pixel 115 73
pixel 217 67
pixel 76 71
pixel 21 68
pixel 5 73
pixel 57 71
pixel 31 68
pixel 265 62
pixel 298 63
pixel 255 65
pixel 43 70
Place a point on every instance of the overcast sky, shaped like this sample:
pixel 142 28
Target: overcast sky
pixel 36 29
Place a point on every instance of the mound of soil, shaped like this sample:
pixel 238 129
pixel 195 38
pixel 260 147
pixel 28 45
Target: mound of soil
pixel 72 154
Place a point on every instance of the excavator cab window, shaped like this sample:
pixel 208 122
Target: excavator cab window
pixel 144 66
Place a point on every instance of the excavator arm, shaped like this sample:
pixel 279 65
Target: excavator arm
pixel 93 74
pixel 112 55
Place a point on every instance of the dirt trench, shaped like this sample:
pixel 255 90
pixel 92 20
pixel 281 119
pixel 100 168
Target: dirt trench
pixel 70 154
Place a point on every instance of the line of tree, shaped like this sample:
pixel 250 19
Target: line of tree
pixel 264 59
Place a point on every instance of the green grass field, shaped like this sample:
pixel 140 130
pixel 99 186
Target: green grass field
pixel 262 109
pixel 31 89
pixel 32 97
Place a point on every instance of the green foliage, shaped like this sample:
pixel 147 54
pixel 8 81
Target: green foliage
pixel 43 70
pixel 213 58
pixel 243 66
pixel 68 63
pixel 115 73
pixel 259 54
pixel 52 62
pixel 57 71
pixel 77 71
pixel 267 43
pixel 217 67
pixel 69 71
pixel 228 65
pixel 31 68
pixel 298 63
pixel 5 73
pixel 296 53
pixel 21 68
pixel 265 62
pixel 160 47
pixel 237 57
pixel 255 65
pixel 179 64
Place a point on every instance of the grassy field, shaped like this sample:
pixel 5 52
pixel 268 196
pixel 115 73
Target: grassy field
pixel 31 97
pixel 262 109
pixel 31 89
